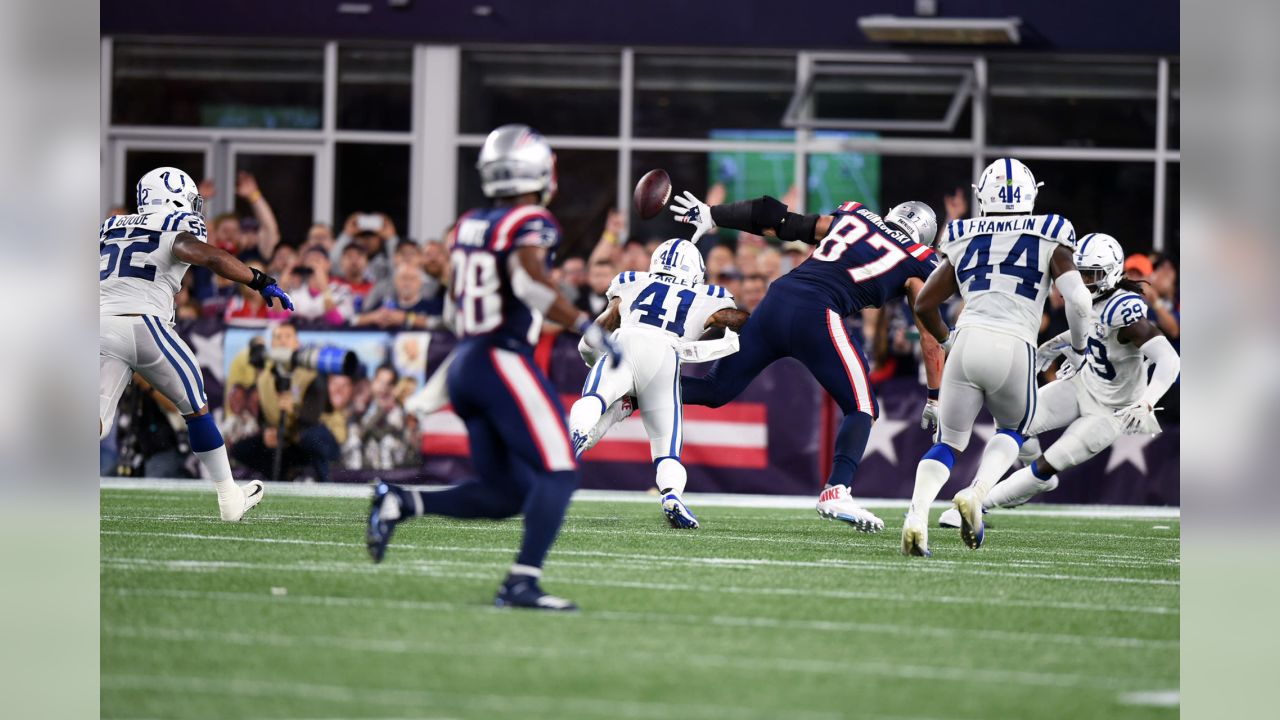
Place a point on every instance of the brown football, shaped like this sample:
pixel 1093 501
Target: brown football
pixel 653 192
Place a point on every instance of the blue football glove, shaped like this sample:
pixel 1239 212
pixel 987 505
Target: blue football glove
pixel 597 338
pixel 267 288
pixel 274 291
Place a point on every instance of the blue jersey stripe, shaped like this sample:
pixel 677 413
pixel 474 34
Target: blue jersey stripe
pixel 1044 229
pixel 1061 219
pixel 186 358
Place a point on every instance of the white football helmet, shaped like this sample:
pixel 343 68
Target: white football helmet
pixel 916 219
pixel 679 258
pixel 167 189
pixel 1100 260
pixel 514 160
pixel 1006 186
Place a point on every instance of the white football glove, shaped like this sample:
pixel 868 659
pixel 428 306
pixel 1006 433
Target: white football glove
pixel 929 416
pixel 689 209
pixel 1138 418
pixel 1048 352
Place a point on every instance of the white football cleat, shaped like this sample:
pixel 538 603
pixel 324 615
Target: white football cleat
pixel 915 537
pixel 835 503
pixel 678 513
pixel 248 495
pixel 950 518
pixel 970 508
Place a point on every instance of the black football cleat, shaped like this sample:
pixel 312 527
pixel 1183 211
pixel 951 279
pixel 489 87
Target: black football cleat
pixel 522 591
pixel 385 512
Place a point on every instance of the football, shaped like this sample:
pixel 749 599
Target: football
pixel 653 192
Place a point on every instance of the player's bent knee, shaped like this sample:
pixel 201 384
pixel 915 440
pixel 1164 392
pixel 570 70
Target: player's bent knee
pixel 943 453
pixel 1017 436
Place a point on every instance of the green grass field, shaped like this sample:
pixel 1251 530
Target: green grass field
pixel 763 613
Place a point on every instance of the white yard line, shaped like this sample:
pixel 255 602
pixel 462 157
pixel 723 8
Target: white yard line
pixel 395 697
pixel 782 502
pixel 1081 559
pixel 433 568
pixel 930 566
pixel 913 632
pixel 807 666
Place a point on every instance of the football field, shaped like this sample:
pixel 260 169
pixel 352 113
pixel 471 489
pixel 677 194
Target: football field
pixel 762 613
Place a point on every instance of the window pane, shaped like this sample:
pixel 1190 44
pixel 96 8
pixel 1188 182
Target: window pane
pixel 927 179
pixel 1175 105
pixel 221 84
pixel 888 96
pixel 139 162
pixel 588 182
pixel 691 96
pixel 287 182
pixel 375 87
pixel 689 171
pixel 1072 103
pixel 555 93
pixel 1111 197
pixel 373 178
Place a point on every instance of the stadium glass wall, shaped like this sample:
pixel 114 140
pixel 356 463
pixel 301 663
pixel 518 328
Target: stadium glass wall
pixel 331 128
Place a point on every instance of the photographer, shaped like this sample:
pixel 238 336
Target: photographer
pixel 290 405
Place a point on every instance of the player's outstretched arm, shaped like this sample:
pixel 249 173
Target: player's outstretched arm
pixel 928 303
pixel 1159 351
pixel 189 249
pixel 529 282
pixel 1078 301
pixel 762 216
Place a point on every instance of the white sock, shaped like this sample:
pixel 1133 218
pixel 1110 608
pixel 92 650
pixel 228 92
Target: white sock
pixel 671 476
pixel 584 414
pixel 999 454
pixel 931 475
pixel 526 570
pixel 218 469
pixel 1016 489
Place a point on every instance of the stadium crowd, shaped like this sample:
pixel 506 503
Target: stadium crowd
pixel 368 276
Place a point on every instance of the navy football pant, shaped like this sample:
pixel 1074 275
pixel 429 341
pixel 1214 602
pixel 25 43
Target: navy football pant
pixel 787 325
pixel 519 447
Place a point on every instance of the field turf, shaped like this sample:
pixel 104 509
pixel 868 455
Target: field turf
pixel 762 613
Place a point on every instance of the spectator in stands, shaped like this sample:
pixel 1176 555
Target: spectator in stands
pixel 408 308
pixel 407 254
pixel 635 256
pixel 609 247
pixel 794 253
pixel 435 263
pixel 316 297
pixel 306 443
pixel 745 257
pixel 571 277
pixel 719 260
pixel 321 234
pixel 374 233
pixel 731 280
pixel 353 269
pixel 248 309
pixel 341 420
pixel 263 236
pixel 752 291
pixel 389 437
pixel 1163 296
pixel 592 300
pixel 769 264
pixel 283 260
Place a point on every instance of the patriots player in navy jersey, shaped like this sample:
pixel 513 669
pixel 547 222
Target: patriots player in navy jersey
pixel 861 260
pixel 499 294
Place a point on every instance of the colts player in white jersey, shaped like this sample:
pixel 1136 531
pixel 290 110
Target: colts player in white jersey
pixel 141 261
pixel 1001 264
pixel 660 316
pixel 1108 396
